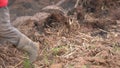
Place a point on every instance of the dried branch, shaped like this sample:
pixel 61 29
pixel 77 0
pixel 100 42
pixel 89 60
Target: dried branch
pixel 77 3
pixel 60 2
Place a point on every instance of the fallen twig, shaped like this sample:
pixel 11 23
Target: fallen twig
pixel 18 64
pixel 77 3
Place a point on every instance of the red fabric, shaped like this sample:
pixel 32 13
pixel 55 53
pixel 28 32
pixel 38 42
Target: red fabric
pixel 3 3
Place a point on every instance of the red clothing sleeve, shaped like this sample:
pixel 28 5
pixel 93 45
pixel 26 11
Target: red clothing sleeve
pixel 3 3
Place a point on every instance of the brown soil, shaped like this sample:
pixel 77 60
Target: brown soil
pixel 87 37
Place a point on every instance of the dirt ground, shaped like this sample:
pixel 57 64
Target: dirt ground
pixel 88 36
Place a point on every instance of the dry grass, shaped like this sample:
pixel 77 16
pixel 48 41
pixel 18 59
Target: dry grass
pixel 70 43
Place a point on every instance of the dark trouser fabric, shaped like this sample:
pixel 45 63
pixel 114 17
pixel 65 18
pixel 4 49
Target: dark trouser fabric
pixel 7 31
